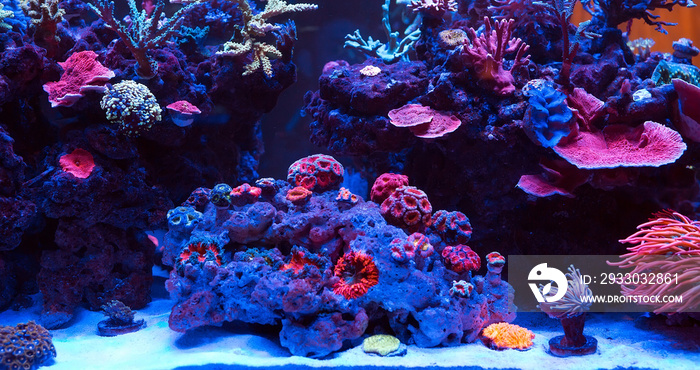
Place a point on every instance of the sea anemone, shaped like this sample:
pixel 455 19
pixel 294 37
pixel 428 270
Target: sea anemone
pixel 357 273
pixel 668 244
pixel 503 335
pixel 571 304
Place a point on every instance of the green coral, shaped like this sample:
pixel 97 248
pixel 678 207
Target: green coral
pixel 665 72
pixel 5 14
pixel 381 344
pixel 132 106
pixel 255 26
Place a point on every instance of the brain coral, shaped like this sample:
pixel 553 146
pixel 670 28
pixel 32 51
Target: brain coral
pixel 318 172
pixel 407 207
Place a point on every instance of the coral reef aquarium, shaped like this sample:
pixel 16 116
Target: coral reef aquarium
pixel 362 184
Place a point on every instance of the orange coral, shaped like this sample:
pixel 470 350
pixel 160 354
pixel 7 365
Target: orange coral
pixel 357 273
pixel 298 195
pixel 503 335
pixel 298 261
pixel 198 251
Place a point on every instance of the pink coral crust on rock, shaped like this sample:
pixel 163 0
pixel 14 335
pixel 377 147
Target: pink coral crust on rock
pixel 409 208
pixel 79 163
pixel 651 144
pixel 318 172
pixel 385 185
pixel 81 72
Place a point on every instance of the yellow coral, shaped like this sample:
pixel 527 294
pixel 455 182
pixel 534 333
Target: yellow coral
pixel 381 344
pixel 503 335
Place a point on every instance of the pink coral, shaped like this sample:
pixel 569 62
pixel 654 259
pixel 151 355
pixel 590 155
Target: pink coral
pixel 651 144
pixel 409 208
pixel 557 177
pixel 182 112
pixel 688 121
pixel 460 258
pixel 318 172
pixel 385 184
pixel 486 52
pixel 81 72
pixel 78 163
pixel 424 122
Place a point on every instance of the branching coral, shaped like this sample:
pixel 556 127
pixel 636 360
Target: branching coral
pixel 394 50
pixel 256 26
pixel 486 52
pixel 148 30
pixel 45 16
pixel 616 12
pixel 434 8
pixel 5 14
pixel 668 244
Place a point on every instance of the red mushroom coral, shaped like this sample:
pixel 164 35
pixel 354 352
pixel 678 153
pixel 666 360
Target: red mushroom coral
pixel 182 112
pixel 81 72
pixel 357 273
pixel 651 144
pixel 79 163
pixel 299 195
pixel 461 258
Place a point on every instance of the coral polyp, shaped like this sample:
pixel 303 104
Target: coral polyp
pixel 357 273
pixel 504 335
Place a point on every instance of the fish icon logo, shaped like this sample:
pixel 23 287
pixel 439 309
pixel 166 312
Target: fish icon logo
pixel 549 274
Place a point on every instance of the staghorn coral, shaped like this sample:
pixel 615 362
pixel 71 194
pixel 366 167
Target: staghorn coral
pixel 668 244
pixel 255 27
pixel 45 16
pixel 395 49
pixel 149 29
pixel 5 14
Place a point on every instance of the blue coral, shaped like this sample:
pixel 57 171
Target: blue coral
pixel 549 118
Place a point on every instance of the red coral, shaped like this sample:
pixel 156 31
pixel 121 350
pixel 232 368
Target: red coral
pixel 81 72
pixel 461 258
pixel 486 52
pixel 357 273
pixel 199 251
pixel 300 260
pixel 557 177
pixel 318 172
pixel 407 207
pixel 651 144
pixel 453 227
pixel 385 185
pixel 79 163
pixel 245 194
pixel 404 250
pixel 182 112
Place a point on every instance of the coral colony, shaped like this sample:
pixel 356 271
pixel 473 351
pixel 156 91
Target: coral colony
pixel 484 128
